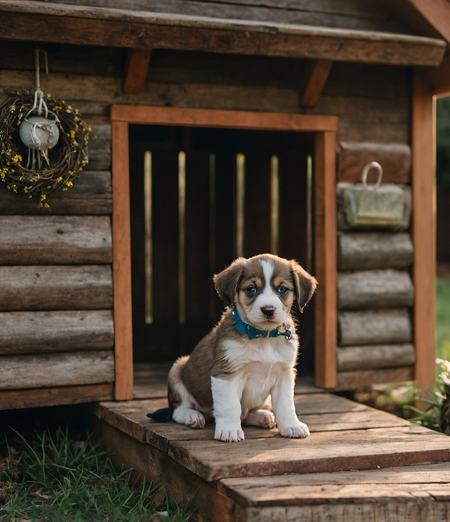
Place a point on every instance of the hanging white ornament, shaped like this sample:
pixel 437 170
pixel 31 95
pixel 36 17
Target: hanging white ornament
pixel 38 132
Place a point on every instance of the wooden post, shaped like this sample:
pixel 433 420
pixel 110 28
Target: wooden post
pixel 122 262
pixel 325 323
pixel 316 76
pixel 423 230
pixel 136 70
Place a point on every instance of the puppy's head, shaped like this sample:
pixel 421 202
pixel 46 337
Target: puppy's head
pixel 264 287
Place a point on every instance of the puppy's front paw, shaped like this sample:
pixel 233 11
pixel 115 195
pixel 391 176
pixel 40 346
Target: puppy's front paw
pixel 195 420
pixel 229 435
pixel 300 431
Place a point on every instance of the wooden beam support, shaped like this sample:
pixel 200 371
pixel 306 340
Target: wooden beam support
pixel 136 70
pixel 316 75
pixel 437 13
pixel 439 78
pixel 423 230
pixel 325 239
pixel 122 262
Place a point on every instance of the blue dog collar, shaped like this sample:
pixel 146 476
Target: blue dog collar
pixel 254 333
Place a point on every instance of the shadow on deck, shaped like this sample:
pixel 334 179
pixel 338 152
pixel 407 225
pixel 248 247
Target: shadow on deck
pixel 359 464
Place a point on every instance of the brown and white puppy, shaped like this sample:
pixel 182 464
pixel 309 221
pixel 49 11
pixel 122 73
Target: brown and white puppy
pixel 232 377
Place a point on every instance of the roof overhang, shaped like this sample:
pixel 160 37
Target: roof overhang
pixel 52 22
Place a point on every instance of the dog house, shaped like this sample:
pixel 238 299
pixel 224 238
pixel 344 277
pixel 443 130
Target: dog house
pixel 222 129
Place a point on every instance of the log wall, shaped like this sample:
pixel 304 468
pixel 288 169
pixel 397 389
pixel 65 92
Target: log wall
pixel 57 330
pixel 57 261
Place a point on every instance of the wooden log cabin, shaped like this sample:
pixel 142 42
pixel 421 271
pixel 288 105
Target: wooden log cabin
pixel 222 129
pixel 228 128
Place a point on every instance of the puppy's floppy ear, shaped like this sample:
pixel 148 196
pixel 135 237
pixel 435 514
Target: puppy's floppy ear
pixel 305 284
pixel 227 281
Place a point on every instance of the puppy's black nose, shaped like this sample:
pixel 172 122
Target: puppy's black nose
pixel 268 311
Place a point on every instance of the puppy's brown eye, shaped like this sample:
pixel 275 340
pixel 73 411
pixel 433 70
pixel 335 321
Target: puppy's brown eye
pixel 250 291
pixel 282 290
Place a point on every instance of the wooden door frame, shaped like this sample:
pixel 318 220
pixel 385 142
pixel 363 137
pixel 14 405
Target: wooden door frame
pixel 324 128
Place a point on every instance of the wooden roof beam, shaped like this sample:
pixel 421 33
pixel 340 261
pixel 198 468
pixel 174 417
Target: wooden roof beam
pixel 437 13
pixel 136 69
pixel 316 75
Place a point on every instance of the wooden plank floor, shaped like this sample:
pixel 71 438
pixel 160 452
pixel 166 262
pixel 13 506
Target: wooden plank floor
pixel 359 464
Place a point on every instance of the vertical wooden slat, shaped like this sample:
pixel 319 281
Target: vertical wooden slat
pixel 122 263
pixel 165 230
pixel 198 270
pixel 325 323
pixel 423 231
pixel 257 204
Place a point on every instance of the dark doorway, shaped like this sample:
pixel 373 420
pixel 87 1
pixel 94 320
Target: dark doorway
pixel 200 197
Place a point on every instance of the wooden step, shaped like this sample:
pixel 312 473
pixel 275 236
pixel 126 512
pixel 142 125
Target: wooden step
pixel 340 472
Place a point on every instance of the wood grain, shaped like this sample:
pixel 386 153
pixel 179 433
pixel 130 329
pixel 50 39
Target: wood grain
pixel 437 13
pixel 123 350
pixel 375 289
pixel 374 250
pixel 395 158
pixel 316 76
pixel 374 327
pixel 361 379
pixel 50 370
pixel 423 231
pixel 136 69
pixel 91 195
pixel 27 240
pixel 55 287
pixel 122 28
pixel 38 397
pixel 375 357
pixel 43 332
pixel 325 319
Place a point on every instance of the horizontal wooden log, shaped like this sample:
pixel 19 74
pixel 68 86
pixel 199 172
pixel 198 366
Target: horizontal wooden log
pixel 374 250
pixel 342 223
pixel 100 132
pixel 99 154
pixel 122 28
pixel 374 327
pixel 375 289
pixel 39 397
pixel 59 369
pixel 362 379
pixel 43 332
pixel 55 287
pixel 91 194
pixel 375 357
pixel 26 240
pixel 395 158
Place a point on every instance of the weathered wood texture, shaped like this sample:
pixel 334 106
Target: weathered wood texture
pixel 375 357
pixel 361 379
pixel 374 250
pixel 372 102
pixel 28 240
pixel 395 158
pixel 38 397
pixel 374 327
pixel 55 287
pixel 42 332
pixel 375 289
pixel 122 28
pixel 49 370
pixel 265 453
pixel 342 223
pixel 91 194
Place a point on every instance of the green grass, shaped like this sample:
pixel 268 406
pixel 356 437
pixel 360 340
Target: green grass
pixel 443 319
pixel 54 478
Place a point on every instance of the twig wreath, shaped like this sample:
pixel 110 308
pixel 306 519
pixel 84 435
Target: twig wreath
pixel 41 169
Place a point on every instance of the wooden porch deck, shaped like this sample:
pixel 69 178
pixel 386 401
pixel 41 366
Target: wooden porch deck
pixel 359 464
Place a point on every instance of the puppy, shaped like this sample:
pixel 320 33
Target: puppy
pixel 248 360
